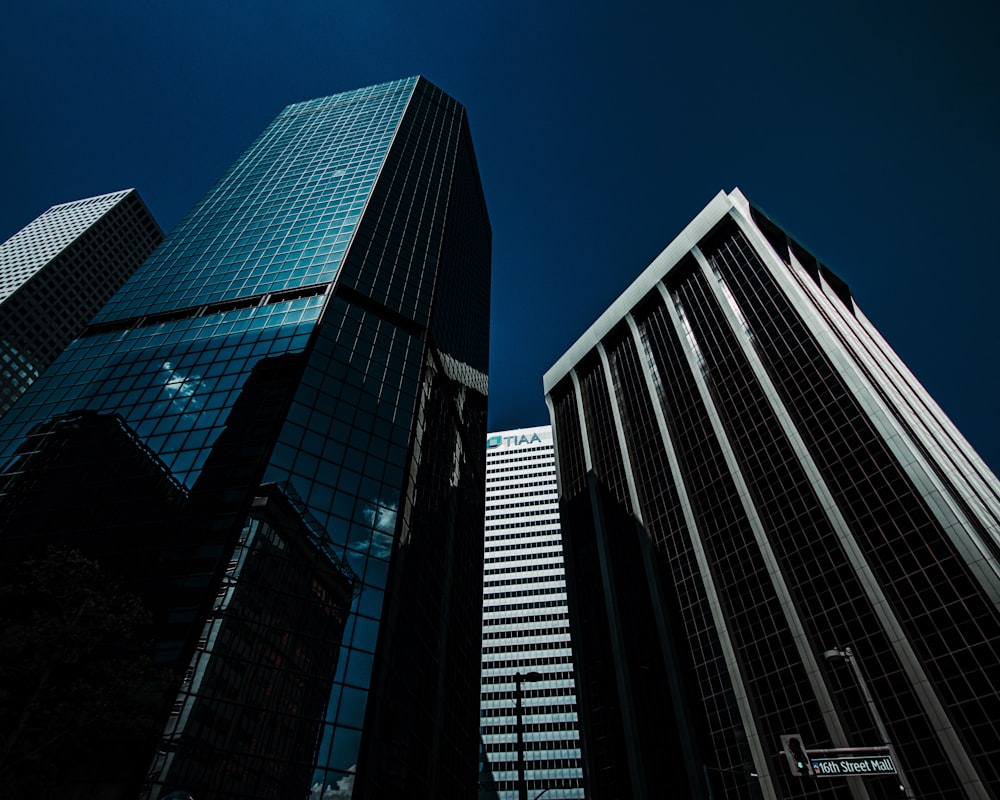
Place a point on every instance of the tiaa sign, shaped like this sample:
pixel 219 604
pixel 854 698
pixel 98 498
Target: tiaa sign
pixel 496 441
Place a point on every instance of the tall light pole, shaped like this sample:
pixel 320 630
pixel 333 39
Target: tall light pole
pixel 522 785
pixel 846 654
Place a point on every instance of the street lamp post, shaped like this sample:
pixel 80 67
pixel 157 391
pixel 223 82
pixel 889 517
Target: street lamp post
pixel 522 785
pixel 847 655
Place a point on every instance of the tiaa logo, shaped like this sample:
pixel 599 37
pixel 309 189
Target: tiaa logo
pixel 511 441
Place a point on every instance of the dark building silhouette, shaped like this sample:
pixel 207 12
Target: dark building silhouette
pixel 253 699
pixel 305 359
pixel 752 482
pixel 84 480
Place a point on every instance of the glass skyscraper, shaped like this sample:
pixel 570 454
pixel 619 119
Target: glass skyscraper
pixel 526 624
pixel 759 497
pixel 57 272
pixel 293 392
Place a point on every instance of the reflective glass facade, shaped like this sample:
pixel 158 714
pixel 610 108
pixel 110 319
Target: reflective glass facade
pixel 305 359
pixel 751 479
pixel 526 623
pixel 57 272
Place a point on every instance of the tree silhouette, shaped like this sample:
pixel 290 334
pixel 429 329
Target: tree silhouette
pixel 77 691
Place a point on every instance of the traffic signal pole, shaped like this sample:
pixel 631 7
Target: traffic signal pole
pixel 848 655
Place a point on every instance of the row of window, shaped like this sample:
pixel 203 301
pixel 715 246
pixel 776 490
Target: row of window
pixel 552 564
pixel 534 523
pixel 557 587
pixel 541 538
pixel 522 606
pixel 559 712
pixel 534 471
pixel 507 667
pixel 499 496
pixel 492 462
pixel 492 511
pixel 523 551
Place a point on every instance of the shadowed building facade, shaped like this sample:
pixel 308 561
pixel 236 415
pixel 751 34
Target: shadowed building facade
pixel 305 361
pixel 751 478
pixel 57 272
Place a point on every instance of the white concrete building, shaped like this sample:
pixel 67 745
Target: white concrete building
pixel 57 272
pixel 525 622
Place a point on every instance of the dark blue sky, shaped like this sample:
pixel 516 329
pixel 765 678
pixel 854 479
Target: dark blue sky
pixel 870 130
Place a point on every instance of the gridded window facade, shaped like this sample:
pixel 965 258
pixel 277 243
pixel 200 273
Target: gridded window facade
pixel 58 271
pixel 797 492
pixel 526 625
pixel 297 330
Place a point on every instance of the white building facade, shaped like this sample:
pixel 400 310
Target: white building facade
pixel 57 272
pixel 525 623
